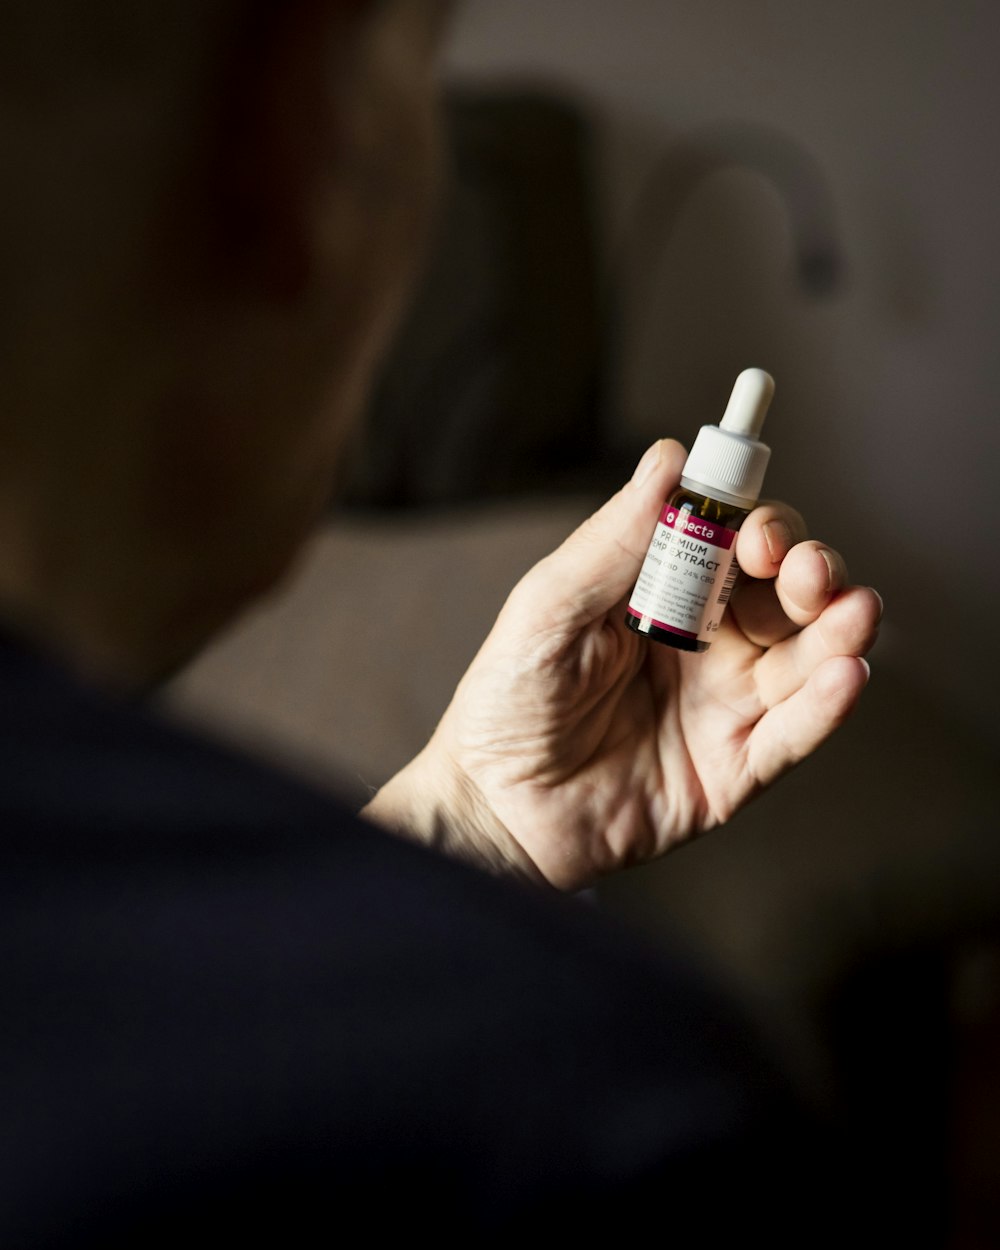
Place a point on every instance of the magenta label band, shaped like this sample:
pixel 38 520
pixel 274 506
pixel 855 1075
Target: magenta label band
pixel 681 520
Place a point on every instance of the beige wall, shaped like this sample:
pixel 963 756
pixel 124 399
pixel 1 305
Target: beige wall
pixel 883 429
pixel 885 424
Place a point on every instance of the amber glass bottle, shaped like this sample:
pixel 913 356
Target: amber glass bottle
pixel 690 568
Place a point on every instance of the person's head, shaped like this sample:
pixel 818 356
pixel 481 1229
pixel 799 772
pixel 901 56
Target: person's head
pixel 213 210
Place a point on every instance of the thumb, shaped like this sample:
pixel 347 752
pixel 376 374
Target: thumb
pixel 597 565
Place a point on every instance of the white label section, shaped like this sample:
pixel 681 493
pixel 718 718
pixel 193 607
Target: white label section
pixel 687 576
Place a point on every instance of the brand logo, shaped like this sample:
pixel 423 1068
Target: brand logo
pixel 701 529
pixel 682 522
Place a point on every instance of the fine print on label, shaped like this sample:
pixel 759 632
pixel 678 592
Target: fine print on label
pixel 687 576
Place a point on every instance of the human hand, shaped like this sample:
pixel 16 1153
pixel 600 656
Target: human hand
pixel 574 747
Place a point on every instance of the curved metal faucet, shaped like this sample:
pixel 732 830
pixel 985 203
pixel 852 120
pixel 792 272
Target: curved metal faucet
pixel 790 168
pixel 818 265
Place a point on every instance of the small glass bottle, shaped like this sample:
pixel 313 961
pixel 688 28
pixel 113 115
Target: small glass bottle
pixel 690 568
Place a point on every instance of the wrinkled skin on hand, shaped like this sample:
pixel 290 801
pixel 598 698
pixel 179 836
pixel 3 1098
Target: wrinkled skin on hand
pixel 574 747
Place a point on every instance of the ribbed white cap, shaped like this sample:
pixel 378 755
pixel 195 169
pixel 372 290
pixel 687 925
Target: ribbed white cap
pixel 728 457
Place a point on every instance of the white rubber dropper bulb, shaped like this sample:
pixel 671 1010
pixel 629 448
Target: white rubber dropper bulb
pixel 748 404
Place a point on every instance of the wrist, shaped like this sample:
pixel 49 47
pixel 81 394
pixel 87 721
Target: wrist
pixel 432 801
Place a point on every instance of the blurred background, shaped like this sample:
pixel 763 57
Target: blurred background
pixel 642 199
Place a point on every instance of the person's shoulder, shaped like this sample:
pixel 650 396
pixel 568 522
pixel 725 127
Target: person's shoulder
pixel 82 768
pixel 221 982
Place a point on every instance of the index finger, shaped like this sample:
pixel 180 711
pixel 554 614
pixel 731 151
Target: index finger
pixel 767 535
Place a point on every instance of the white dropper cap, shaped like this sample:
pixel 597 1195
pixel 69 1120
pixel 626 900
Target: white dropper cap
pixel 727 461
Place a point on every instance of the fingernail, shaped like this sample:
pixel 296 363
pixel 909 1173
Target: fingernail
pixel 830 560
pixel 778 537
pixel 647 464
pixel 881 604
pixel 868 667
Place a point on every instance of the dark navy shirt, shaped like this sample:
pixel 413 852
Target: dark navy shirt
pixel 232 1010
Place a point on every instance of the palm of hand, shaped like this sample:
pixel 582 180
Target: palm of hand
pixel 595 748
pixel 574 747
pixel 602 749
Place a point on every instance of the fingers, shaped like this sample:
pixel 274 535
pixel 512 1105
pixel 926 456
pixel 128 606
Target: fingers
pixel 792 579
pixel 795 727
pixel 848 627
pixel 791 596
pixel 597 566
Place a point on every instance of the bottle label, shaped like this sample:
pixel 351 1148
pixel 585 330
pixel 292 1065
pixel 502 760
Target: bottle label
pixel 687 577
